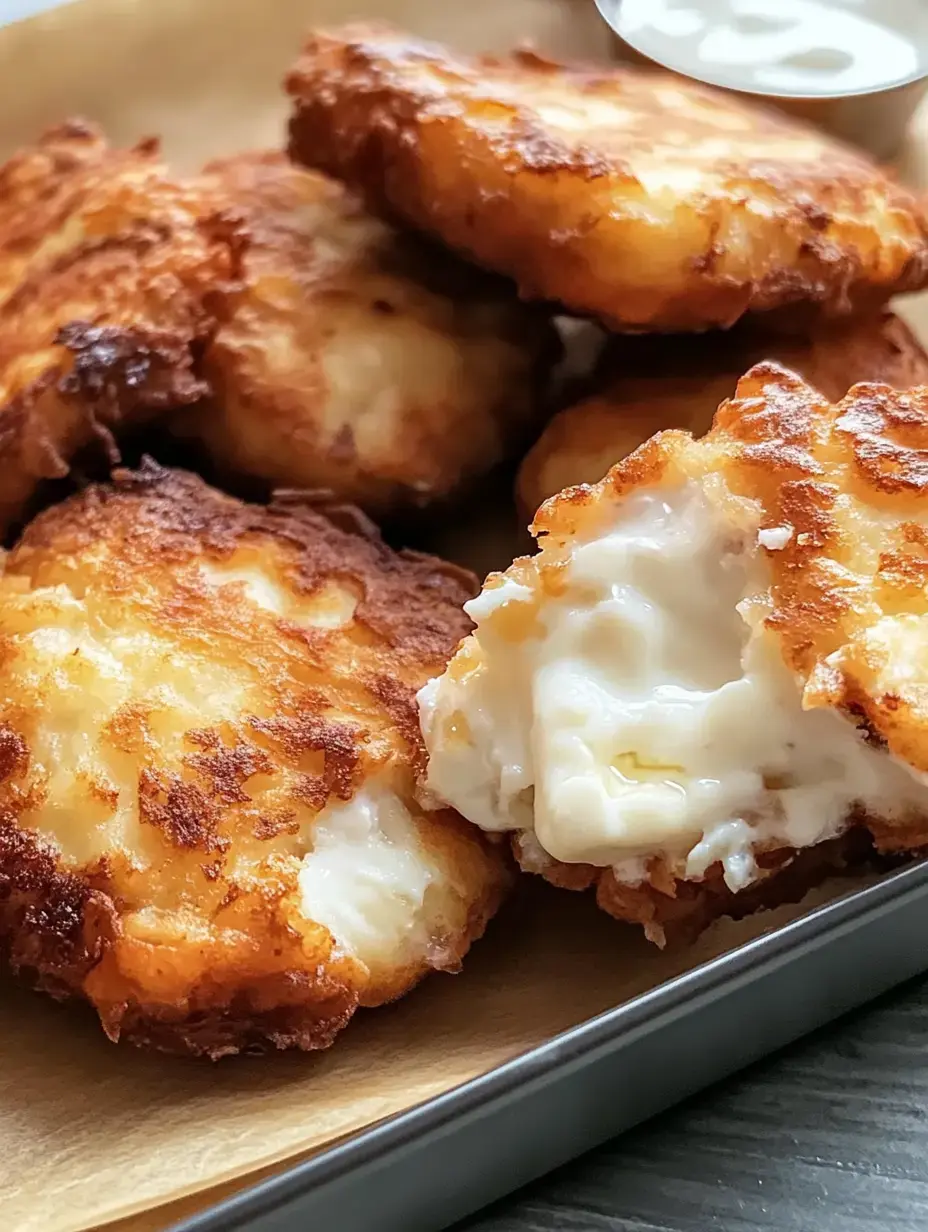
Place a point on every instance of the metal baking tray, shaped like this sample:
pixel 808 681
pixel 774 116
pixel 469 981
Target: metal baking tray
pixel 447 1158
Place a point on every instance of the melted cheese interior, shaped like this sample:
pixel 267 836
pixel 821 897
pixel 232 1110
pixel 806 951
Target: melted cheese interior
pixel 367 878
pixel 646 711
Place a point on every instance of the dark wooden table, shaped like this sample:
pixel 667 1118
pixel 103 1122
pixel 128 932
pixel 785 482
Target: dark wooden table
pixel 830 1135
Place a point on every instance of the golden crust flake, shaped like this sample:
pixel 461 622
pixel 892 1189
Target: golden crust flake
pixel 635 197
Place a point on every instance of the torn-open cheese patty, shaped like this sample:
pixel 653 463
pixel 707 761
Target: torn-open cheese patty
pixel 719 653
pixel 208 749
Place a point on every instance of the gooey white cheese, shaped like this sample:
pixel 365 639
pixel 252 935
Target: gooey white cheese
pixel 642 714
pixel 368 876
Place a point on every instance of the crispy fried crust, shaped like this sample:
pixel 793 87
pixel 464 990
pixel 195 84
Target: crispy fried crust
pixel 188 683
pixel 107 269
pixel 635 197
pixel 360 359
pixel 647 384
pixel 674 911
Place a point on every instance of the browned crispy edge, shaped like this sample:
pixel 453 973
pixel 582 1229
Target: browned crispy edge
pixel 677 911
pixel 310 1026
pixel 55 928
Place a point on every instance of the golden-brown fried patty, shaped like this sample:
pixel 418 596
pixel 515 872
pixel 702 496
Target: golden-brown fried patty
pixel 106 265
pixel 208 745
pixel 716 661
pixel 635 197
pixel 357 358
pixel 650 383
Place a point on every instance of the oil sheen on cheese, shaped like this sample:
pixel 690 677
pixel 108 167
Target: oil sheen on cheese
pixel 646 711
pixel 791 47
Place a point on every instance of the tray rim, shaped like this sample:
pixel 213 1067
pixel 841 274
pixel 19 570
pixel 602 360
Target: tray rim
pixel 573 1049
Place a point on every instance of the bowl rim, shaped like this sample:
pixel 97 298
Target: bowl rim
pixel 610 11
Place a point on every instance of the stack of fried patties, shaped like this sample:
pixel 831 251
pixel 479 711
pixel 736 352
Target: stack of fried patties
pixel 213 825
pixel 780 562
pixel 209 741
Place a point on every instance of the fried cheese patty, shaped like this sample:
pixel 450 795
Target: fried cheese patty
pixel 357 358
pixel 208 749
pixel 718 658
pixel 636 197
pixel 106 265
pixel 651 383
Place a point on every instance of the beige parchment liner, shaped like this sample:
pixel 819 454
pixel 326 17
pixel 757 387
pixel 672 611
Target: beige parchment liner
pixel 90 1133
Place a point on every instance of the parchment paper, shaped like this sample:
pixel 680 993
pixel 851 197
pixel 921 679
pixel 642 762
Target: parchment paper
pixel 91 1133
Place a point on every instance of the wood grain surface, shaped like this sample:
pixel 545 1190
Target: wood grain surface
pixel 830 1135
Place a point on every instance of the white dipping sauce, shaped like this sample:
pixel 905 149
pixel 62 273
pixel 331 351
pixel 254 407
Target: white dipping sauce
pixel 790 47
